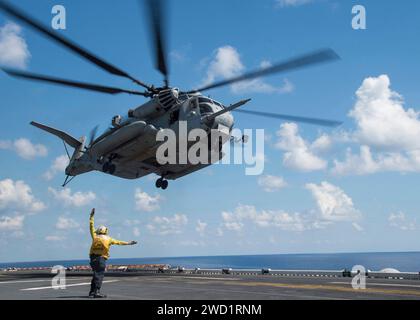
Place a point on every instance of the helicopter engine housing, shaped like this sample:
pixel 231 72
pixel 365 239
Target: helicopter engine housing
pixel 160 103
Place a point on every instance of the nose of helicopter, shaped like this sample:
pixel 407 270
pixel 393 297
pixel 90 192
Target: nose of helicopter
pixel 225 120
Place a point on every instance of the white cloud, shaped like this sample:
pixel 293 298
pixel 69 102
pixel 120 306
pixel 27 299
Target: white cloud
pixel 181 54
pixel 299 154
pixel 381 120
pixel 25 148
pixel 11 223
pixel 366 162
pixel 13 48
pixel 265 64
pixel 259 86
pixel 136 231
pixel 168 225
pixel 192 243
pixel 388 133
pixel 226 63
pixel 17 196
pixel 65 223
pixel 292 3
pixel 322 143
pixel 77 199
pixel 400 221
pixel 55 238
pixel 357 226
pixel 58 166
pixel 129 223
pixel 271 183
pixel 235 221
pixel 146 202
pixel 201 227
pixel 333 204
pixel 177 56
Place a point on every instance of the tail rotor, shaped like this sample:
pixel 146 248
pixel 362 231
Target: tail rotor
pixel 92 135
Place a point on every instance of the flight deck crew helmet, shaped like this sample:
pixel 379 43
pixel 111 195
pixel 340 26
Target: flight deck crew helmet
pixel 102 230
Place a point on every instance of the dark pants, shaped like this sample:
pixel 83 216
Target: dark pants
pixel 98 264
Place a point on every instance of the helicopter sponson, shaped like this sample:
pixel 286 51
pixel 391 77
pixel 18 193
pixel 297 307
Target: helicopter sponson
pixel 137 133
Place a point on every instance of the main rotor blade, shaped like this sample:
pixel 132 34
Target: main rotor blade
pixel 317 57
pixel 23 17
pixel 70 83
pixel 315 121
pixel 156 14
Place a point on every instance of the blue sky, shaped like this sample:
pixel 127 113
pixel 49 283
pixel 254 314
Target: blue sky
pixel 348 189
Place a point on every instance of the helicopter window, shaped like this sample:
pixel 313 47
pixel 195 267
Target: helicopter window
pixel 204 100
pixel 183 97
pixel 205 109
pixel 194 103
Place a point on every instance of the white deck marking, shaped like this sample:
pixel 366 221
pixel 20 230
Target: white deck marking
pixel 39 280
pixel 68 285
pixel 383 284
pixel 210 278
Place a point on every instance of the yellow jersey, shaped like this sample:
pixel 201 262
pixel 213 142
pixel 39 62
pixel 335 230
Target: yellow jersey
pixel 102 242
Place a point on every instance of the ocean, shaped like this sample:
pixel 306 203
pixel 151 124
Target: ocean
pixel 402 261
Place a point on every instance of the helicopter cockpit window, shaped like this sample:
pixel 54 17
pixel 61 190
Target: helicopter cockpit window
pixel 194 104
pixel 205 100
pixel 183 97
pixel 205 109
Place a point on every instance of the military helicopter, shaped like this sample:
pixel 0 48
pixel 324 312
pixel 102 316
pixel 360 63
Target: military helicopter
pixel 128 149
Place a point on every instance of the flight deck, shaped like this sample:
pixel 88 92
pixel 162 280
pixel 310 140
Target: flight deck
pixel 181 284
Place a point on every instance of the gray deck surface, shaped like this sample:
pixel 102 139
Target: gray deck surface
pixel 37 285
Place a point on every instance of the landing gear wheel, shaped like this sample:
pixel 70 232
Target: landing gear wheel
pixel 159 183
pixel 162 183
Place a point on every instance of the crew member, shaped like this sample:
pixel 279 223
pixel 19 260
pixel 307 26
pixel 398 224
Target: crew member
pixel 99 253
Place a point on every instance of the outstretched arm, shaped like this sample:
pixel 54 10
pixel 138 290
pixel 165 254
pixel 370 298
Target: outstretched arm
pixel 122 243
pixel 92 224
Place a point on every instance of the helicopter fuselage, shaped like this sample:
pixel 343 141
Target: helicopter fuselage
pixel 128 149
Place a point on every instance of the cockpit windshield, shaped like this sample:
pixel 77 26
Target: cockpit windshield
pixel 201 99
pixel 208 100
pixel 207 105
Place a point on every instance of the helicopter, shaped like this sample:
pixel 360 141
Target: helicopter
pixel 128 148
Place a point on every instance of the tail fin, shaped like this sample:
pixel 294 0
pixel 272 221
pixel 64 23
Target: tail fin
pixel 78 146
pixel 73 142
